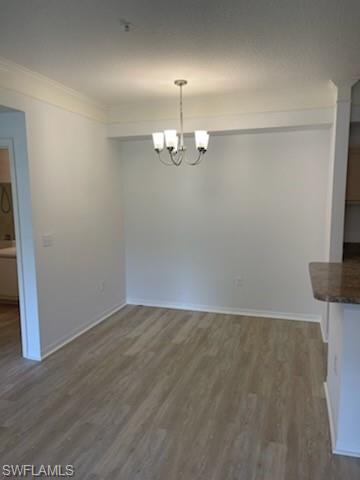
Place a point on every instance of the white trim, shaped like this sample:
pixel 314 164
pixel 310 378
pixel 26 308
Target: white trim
pixel 52 348
pixel 346 453
pixel 34 358
pixel 17 78
pixel 225 310
pixel 7 66
pixel 324 322
pixel 335 451
pixel 323 336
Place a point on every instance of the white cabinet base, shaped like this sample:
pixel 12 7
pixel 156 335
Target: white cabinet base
pixel 342 387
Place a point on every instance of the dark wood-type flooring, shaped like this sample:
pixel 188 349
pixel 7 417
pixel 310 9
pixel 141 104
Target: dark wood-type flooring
pixel 157 394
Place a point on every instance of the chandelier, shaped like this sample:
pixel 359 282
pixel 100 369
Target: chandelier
pixel 175 145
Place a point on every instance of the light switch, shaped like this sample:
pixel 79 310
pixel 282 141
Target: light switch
pixel 47 240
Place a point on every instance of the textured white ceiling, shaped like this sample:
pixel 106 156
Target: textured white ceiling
pixel 219 46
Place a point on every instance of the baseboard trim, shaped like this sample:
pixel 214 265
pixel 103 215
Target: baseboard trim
pixel 324 322
pixel 79 331
pixel 323 336
pixel 346 453
pixel 225 310
pixel 33 358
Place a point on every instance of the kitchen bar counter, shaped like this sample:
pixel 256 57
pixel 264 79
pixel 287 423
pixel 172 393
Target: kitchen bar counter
pixel 336 282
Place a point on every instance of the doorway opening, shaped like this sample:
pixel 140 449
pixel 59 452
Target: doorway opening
pixel 10 341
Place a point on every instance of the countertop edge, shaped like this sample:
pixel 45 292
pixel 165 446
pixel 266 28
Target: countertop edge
pixel 335 274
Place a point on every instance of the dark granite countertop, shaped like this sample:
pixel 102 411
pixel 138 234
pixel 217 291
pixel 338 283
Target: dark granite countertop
pixel 336 282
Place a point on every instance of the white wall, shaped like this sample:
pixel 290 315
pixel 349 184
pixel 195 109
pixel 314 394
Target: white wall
pixel 254 209
pixel 76 198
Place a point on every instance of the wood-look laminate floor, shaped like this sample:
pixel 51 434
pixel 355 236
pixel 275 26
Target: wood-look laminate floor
pixel 162 394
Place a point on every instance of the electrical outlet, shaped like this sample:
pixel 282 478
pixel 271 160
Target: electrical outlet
pixel 102 285
pixel 239 281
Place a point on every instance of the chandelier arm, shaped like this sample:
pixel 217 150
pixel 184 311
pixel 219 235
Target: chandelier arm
pixel 197 161
pixel 164 162
pixel 182 155
pixel 177 158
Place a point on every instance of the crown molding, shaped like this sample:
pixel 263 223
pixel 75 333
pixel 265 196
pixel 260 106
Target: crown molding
pixel 27 82
pixel 294 119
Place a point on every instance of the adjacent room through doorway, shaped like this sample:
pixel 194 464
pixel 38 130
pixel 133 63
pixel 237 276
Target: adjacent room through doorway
pixel 9 290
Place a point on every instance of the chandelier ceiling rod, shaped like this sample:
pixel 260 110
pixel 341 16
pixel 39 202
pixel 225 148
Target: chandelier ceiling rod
pixel 181 83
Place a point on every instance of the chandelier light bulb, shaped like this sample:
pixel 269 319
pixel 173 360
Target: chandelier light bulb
pixel 176 144
pixel 158 140
pixel 201 139
pixel 170 138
